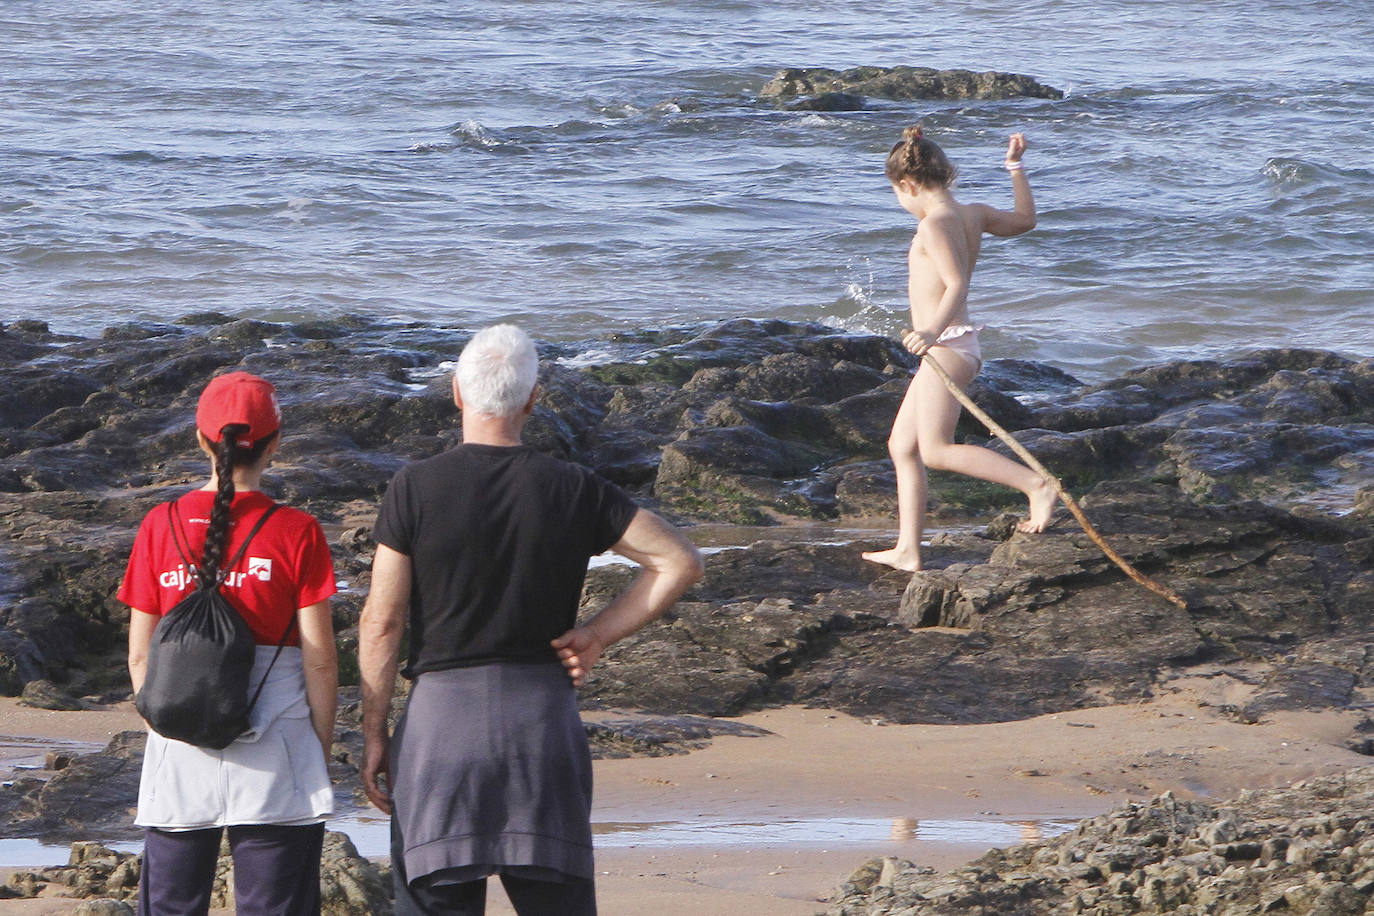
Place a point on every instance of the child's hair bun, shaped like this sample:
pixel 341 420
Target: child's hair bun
pixel 919 159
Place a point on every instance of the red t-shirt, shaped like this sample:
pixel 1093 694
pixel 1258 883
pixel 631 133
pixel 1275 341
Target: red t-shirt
pixel 287 565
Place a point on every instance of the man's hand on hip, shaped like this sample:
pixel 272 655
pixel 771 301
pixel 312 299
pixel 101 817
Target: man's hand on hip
pixel 579 649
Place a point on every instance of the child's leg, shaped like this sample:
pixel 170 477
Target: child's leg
pixel 911 488
pixel 935 424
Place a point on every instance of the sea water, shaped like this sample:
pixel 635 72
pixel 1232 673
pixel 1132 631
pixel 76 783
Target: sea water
pixel 1205 186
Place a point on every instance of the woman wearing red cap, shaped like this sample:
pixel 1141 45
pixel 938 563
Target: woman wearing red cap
pixel 270 787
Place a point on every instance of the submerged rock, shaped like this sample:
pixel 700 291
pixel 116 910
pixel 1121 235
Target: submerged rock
pixel 841 90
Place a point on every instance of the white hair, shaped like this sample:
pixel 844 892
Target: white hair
pixel 497 371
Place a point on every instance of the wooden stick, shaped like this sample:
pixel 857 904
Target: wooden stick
pixel 1064 496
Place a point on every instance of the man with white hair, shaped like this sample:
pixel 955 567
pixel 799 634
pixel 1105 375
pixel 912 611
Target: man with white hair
pixel 483 550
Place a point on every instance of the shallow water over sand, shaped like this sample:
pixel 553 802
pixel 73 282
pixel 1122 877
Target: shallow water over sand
pixel 370 834
pixel 20 753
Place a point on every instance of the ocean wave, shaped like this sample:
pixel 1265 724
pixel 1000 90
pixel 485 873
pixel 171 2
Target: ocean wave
pixel 629 110
pixel 521 139
pixel 1288 173
pixel 443 147
pixel 475 135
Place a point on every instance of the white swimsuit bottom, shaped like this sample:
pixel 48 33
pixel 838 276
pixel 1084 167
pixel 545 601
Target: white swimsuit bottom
pixel 962 339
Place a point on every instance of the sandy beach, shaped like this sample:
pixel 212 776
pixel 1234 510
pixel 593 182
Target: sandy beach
pixel 770 825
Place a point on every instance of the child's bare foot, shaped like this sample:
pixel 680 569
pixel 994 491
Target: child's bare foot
pixel 896 558
pixel 1043 499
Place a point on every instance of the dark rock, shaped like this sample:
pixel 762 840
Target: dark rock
pixel 1012 376
pixel 42 694
pixel 829 101
pixel 867 490
pixel 21 663
pixel 904 83
pixel 636 735
pixel 244 333
pixel 135 330
pixel 33 393
pixel 38 640
pixel 1129 404
pixel 90 797
pixel 788 377
pixel 710 472
pixel 57 761
pixel 1234 481
pixel 1009 413
pixel 1302 686
pixel 204 319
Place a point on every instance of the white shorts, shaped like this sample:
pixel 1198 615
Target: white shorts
pixel 275 774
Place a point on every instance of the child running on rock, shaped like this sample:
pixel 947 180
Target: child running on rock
pixel 940 264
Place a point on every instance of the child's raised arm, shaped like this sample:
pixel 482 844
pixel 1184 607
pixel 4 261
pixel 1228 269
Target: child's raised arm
pixel 1021 218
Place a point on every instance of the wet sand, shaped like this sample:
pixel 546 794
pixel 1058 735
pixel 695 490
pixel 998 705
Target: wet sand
pixel 866 788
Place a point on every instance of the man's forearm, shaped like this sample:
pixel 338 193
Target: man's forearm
pixel 670 564
pixel 646 600
pixel 379 636
pixel 379 646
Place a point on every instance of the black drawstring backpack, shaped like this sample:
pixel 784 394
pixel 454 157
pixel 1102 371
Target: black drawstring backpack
pixel 200 661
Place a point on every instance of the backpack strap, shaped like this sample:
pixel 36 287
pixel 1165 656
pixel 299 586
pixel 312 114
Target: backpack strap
pixel 243 548
pixel 174 525
pixel 290 626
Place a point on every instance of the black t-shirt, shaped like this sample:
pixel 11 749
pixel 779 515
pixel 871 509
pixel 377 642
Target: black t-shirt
pixel 499 538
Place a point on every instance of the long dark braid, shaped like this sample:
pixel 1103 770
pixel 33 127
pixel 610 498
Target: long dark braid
pixel 228 455
pixel 217 535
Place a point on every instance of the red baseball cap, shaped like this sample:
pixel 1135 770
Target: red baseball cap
pixel 238 398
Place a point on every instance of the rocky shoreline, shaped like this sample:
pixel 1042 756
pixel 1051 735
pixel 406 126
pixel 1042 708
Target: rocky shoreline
pixel 1308 849
pixel 1246 484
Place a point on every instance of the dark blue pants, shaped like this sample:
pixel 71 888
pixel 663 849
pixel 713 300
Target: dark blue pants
pixel 276 870
pixel 532 891
pixel 530 897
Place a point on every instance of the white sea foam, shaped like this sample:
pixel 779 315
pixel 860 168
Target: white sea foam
pixel 420 376
pixel 586 358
